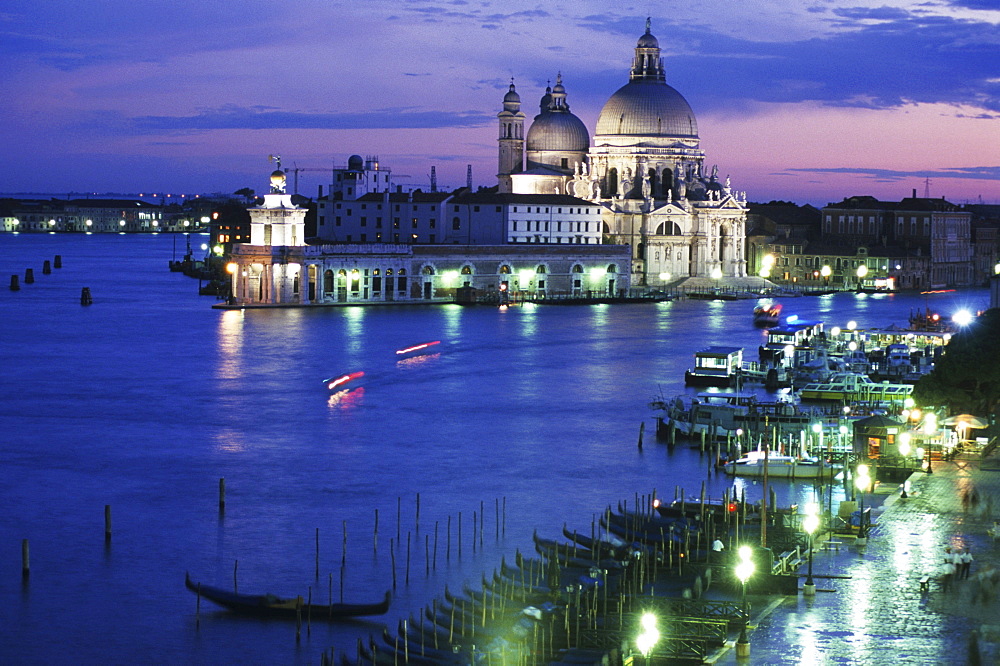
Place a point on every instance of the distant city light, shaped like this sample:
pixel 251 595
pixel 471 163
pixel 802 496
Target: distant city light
pixel 716 273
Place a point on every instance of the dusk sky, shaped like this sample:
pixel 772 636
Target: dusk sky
pixel 803 100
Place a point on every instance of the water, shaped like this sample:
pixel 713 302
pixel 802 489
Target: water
pixel 145 399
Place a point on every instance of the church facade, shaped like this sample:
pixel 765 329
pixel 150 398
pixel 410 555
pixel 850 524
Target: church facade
pixel 644 167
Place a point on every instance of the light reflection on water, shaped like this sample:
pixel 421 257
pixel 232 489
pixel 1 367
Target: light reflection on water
pixel 153 397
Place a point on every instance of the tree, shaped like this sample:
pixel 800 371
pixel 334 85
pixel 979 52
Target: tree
pixel 245 192
pixel 967 377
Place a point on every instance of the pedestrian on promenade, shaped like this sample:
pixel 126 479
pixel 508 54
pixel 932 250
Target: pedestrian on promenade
pixel 947 554
pixel 947 574
pixel 966 564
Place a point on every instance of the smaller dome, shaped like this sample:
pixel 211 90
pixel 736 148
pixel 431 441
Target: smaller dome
pixel 558 132
pixel 277 177
pixel 355 163
pixel 511 96
pixel 647 41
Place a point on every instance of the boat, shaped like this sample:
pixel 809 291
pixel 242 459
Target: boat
pixel 855 387
pixel 781 467
pixel 336 383
pixel 269 605
pixel 766 316
pixel 724 367
pixel 416 350
pixel 715 366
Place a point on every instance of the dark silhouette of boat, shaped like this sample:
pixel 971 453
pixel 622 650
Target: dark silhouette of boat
pixel 268 605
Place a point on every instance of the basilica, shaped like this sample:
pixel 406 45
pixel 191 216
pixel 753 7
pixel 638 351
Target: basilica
pixel 644 168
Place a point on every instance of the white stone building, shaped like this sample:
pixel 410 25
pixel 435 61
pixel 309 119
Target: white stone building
pixel 645 168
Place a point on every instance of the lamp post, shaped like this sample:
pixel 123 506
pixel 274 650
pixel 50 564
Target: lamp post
pixel 809 524
pixel 861 482
pixel 743 571
pixel 930 429
pixel 649 636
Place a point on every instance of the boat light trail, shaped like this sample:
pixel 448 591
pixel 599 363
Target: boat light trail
pixel 334 382
pixel 418 347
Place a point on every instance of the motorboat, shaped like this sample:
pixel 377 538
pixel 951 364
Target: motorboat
pixel 767 316
pixel 781 467
pixel 854 387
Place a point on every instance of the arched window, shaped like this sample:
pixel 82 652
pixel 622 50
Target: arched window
pixel 428 270
pixel 577 268
pixel 652 183
pixel 667 182
pixel 611 183
pixel 456 223
pixel 505 270
pixel 540 268
pixel 668 229
pixel 466 269
pixel 612 268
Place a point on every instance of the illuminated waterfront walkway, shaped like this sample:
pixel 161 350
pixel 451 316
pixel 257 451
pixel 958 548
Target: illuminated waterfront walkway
pixel 879 615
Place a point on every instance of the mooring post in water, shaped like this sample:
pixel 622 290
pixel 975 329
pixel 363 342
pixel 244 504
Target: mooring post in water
pixel 46 267
pixel 482 520
pixel 25 559
pixel 642 429
pixel 408 540
pixel 15 285
pixel 392 555
pixel 29 276
pixel 236 566
pixel 330 594
pixel 85 297
pixel 107 523
pixel 309 612
pixel 417 523
pixel 222 495
pixel 58 261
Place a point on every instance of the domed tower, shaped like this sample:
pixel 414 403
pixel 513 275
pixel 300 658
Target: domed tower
pixel 645 130
pixel 511 150
pixel 557 140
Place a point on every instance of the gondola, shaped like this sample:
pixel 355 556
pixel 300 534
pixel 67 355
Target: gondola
pixel 268 605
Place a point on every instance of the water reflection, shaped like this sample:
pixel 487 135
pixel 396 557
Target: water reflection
pixel 229 440
pixel 347 399
pixel 229 342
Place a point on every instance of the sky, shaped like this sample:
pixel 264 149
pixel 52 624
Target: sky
pixel 808 101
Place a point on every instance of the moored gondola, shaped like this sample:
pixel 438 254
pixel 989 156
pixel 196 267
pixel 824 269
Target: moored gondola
pixel 269 605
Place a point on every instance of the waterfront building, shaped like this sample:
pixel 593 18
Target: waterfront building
pixel 83 215
pixel 645 169
pixel 912 227
pixel 277 267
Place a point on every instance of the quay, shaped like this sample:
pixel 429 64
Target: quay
pixel 879 599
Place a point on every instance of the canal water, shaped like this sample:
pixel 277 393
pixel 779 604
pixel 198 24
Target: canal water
pixel 521 419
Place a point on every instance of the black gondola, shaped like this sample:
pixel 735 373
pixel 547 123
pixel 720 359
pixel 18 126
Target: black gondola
pixel 268 605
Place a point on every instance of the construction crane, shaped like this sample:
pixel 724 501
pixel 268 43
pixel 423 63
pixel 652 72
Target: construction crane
pixel 295 174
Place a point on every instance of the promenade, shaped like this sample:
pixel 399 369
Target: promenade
pixel 879 615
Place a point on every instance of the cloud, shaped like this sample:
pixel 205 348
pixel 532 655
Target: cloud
pixel 891 175
pixel 267 118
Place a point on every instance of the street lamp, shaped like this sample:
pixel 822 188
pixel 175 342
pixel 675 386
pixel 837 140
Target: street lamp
pixel 809 524
pixel 646 640
pixel 743 571
pixel 861 482
pixel 930 429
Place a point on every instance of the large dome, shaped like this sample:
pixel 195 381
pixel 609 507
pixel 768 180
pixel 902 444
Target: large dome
pixel 647 108
pixel 558 132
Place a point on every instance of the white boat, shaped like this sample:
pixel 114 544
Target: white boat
pixel 782 467
pixel 853 387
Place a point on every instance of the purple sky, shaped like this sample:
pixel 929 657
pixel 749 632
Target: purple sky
pixel 804 101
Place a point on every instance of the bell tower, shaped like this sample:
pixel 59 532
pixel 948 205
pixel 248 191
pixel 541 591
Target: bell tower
pixel 511 149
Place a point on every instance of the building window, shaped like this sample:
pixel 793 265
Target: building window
pixel 456 223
